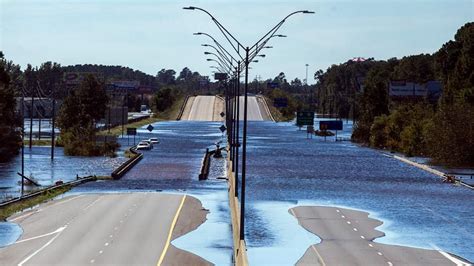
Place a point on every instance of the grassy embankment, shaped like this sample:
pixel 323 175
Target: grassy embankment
pixel 7 211
pixel 169 114
pixel 277 115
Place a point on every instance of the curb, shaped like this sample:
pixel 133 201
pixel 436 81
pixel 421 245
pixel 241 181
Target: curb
pixel 183 106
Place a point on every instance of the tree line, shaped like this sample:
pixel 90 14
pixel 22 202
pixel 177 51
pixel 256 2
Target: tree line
pixel 442 130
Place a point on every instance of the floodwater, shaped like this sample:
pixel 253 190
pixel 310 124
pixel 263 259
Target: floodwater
pixel 287 169
pixel 39 165
pixel 173 166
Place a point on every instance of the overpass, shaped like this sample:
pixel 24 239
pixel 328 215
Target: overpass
pixel 208 108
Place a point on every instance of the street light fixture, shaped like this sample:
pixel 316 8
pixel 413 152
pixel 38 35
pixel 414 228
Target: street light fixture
pixel 237 46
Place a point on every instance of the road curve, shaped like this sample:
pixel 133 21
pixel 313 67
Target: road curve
pixel 347 239
pixel 114 229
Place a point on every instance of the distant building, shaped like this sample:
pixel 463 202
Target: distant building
pixel 400 89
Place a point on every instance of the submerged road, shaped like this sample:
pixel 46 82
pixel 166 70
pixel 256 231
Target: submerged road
pixel 347 239
pixel 125 229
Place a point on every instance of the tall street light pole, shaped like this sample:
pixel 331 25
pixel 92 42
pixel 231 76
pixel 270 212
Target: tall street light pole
pixel 237 46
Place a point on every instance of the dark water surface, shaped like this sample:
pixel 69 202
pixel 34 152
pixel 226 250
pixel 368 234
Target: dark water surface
pixel 286 169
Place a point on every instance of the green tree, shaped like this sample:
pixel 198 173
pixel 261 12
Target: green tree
pixel 79 113
pixel 9 121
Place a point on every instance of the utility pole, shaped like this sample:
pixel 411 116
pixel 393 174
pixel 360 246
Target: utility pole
pixel 22 140
pixel 306 79
pixel 31 117
pixel 53 133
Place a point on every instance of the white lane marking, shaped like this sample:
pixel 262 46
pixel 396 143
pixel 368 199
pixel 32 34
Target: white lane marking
pixel 40 236
pixel 380 253
pixel 337 210
pixel 64 201
pixel 343 216
pixel 24 215
pixel 92 261
pixel 370 245
pixel 121 221
pixel 41 248
pixel 363 237
pixel 386 155
pixel 111 236
pixel 456 261
pixel 101 251
pixel 115 228
pixel 355 229
pixel 389 263
pixel 106 244
pixel 92 203
pixel 348 222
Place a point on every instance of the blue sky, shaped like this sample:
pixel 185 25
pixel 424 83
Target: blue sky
pixel 151 35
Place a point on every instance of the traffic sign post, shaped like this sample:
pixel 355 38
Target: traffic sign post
pixel 131 131
pixel 305 118
pixel 150 128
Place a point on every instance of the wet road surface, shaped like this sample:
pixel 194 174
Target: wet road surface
pixel 347 239
pixel 118 229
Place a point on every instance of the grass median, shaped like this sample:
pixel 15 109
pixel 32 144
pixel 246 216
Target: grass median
pixel 13 208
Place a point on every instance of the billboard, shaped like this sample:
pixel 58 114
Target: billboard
pixel 220 76
pixel 330 125
pixel 401 88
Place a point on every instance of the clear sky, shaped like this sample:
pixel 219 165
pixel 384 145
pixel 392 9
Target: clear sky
pixel 149 35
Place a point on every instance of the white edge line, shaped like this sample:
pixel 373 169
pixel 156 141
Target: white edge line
pixel 456 261
pixel 41 248
pixel 40 236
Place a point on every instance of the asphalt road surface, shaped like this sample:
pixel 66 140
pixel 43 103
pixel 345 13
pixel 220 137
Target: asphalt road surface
pixel 202 109
pixel 114 229
pixel 254 112
pixel 347 239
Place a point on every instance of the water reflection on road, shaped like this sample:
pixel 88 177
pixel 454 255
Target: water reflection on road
pixel 285 166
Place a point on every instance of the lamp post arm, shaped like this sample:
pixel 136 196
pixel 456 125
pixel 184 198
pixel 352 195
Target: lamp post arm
pixel 224 31
pixel 277 26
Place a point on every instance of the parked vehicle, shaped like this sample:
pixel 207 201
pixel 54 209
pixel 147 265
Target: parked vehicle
pixel 149 142
pixel 154 140
pixel 143 145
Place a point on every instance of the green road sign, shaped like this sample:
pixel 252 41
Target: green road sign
pixel 305 118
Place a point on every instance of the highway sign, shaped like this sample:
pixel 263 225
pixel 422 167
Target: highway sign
pixel 280 102
pixel 150 128
pixel 305 118
pixel 330 125
pixel 222 128
pixel 220 76
pixel 131 131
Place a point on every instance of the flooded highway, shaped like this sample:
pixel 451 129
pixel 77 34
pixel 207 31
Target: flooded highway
pixel 285 169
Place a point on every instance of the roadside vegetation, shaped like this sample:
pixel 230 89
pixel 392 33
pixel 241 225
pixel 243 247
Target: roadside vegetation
pixel 13 208
pixel 440 129
pixel 78 117
pixel 10 123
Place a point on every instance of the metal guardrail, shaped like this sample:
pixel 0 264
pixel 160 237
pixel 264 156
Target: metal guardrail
pixel 125 167
pixel 45 190
pixel 265 104
pixel 183 106
pixel 206 163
